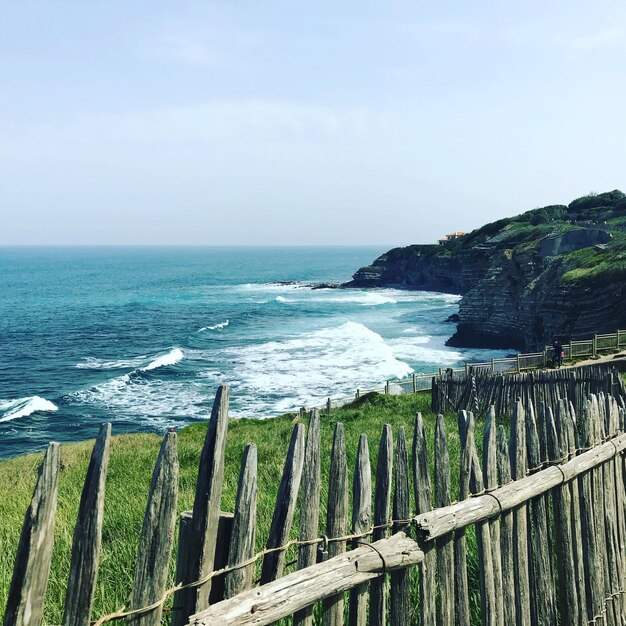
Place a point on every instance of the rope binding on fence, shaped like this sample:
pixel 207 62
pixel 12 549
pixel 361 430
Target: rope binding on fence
pixel 123 613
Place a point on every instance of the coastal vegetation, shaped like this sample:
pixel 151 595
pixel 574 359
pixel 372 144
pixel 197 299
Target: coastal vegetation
pixel 130 468
pixel 606 211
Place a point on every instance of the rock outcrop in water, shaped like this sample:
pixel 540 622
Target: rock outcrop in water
pixel 555 271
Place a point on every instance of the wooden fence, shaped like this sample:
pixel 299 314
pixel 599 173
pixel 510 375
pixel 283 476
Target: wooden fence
pixel 546 505
pixel 481 389
pixel 573 350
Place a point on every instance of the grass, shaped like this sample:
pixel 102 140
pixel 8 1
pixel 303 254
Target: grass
pixel 130 468
pixel 593 264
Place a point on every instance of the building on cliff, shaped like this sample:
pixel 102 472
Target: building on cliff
pixel 454 235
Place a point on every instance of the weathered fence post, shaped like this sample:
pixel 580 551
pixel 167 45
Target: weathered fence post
pixel 34 552
pixel 594 568
pixel 309 506
pixel 244 526
pixel 157 535
pixel 88 536
pixel 570 445
pixel 400 596
pixel 506 534
pixel 483 536
pixel 614 577
pixel 518 471
pixel 182 567
pixel 461 595
pixel 445 550
pixel 361 523
pixel 337 519
pixel 422 491
pixel 274 562
pixel 490 472
pixel 206 511
pixel 562 505
pixel 542 592
pixel 382 500
pixel 222 548
pixel 620 491
pixel 222 551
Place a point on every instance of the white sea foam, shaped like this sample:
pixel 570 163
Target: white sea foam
pixel 335 296
pixel 280 299
pixel 133 398
pixel 171 358
pixel 144 362
pixel 418 350
pixel 272 286
pixel 391 296
pixel 214 327
pixel 22 407
pixel 92 363
pixel 305 369
pixel 376 297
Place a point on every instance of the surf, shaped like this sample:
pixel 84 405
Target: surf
pixel 214 327
pixel 22 407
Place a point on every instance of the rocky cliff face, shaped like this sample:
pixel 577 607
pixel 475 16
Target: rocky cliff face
pixel 414 267
pixel 522 302
pixel 522 283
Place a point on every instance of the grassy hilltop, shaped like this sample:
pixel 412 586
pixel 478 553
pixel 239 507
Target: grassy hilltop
pixel 525 232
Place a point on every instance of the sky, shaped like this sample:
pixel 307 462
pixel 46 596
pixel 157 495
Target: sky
pixel 292 123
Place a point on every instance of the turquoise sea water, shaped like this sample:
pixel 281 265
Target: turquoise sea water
pixel 141 337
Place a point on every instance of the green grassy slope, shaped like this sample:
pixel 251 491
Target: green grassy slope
pixel 131 464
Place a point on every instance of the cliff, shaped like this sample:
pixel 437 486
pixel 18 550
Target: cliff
pixel 554 271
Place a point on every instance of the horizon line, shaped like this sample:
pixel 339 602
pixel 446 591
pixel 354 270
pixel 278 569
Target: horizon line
pixel 200 245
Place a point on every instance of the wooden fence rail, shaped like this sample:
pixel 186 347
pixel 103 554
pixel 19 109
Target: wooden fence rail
pixel 482 389
pixel 421 381
pixel 546 504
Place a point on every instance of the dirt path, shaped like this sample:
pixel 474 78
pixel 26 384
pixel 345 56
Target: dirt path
pixel 605 358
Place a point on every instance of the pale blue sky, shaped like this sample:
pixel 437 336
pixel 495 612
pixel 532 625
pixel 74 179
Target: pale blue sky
pixel 302 123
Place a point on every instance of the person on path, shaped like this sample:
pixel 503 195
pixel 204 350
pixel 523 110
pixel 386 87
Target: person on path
pixel 557 353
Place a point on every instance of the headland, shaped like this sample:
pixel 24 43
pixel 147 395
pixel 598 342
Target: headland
pixel 554 271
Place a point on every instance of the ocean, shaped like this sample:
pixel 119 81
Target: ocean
pixel 141 337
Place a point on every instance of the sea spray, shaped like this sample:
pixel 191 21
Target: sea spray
pixel 171 358
pixel 22 407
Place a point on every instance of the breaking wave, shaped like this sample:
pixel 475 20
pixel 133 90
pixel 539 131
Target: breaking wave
pixel 171 358
pixel 143 363
pixel 277 376
pixel 22 407
pixel 214 327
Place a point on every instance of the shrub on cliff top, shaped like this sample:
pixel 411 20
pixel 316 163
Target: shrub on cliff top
pixel 583 207
pixel 551 213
